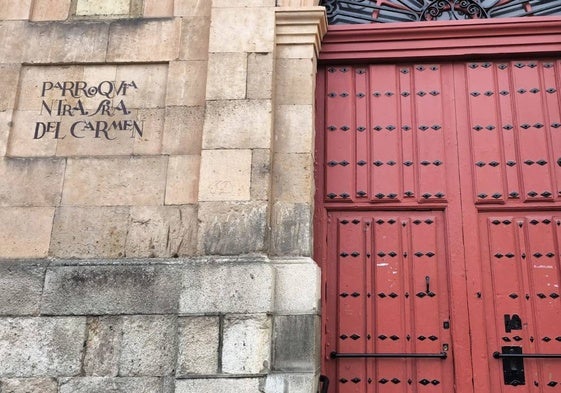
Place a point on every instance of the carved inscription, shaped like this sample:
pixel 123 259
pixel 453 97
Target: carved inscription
pixel 96 110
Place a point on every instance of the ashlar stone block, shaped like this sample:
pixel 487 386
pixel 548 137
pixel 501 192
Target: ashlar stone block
pixel 225 175
pixel 14 10
pixel 183 130
pixel 21 285
pixel 295 81
pixel 243 3
pixel 158 8
pixel 293 177
pixel 182 186
pixel 291 229
pixel 102 7
pixel 261 175
pixel 192 8
pixel 41 347
pixel 294 129
pixel 297 286
pixel 50 10
pixel 113 385
pixel 186 83
pixel 227 76
pixel 29 385
pixel 219 385
pixel 102 290
pixel 9 77
pixel 249 29
pixel 238 124
pixel 195 31
pixel 293 383
pixel 260 75
pixel 246 344
pixel 89 232
pixel 296 343
pixel 198 346
pixel 220 287
pixel 25 232
pixel 103 346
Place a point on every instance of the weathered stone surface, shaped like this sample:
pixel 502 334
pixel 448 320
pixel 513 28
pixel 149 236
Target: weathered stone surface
pixel 158 8
pixel 9 77
pixel 21 284
pixel 103 346
pixel 291 229
pixel 227 287
pixel 5 121
pixel 89 232
pixel 198 346
pixel 246 344
pixel 102 7
pixel 187 83
pixel 182 185
pixel 225 175
pixel 165 231
pixel 11 33
pixel 295 82
pixel 31 182
pixel 228 228
pixel 21 142
pixel 151 80
pixel 192 8
pixel 293 179
pixel 29 385
pixel 248 31
pixel 113 385
pixel 50 10
pixel 133 40
pixel 13 10
pixel 25 232
pixel 115 181
pixel 297 286
pixel 243 3
pixel 260 75
pixel 149 345
pixel 261 175
pixel 111 290
pixel 227 76
pixel 296 343
pixel 32 347
pixel 195 32
pixel 219 385
pixel 294 129
pixel 228 126
pixel 293 383
pixel 183 130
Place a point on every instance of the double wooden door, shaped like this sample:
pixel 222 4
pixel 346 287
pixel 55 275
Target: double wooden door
pixel 439 226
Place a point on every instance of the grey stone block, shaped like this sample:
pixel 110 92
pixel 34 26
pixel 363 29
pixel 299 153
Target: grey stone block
pixel 29 385
pixel 293 383
pixel 82 290
pixel 32 347
pixel 110 385
pixel 246 344
pixel 296 344
pixel 238 385
pixel 148 346
pixel 103 346
pixel 291 229
pixel 225 287
pixel 198 346
pixel 232 228
pixel 297 286
pixel 21 284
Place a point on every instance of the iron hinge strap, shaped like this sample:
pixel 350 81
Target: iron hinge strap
pixel 441 355
pixel 498 355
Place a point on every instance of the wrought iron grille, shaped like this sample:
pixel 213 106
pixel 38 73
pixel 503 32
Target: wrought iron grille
pixel 385 11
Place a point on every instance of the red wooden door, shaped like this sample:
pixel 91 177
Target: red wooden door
pixel 437 193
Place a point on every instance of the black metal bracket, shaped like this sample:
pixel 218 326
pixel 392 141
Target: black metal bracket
pixel 498 355
pixel 513 365
pixel 324 384
pixel 441 355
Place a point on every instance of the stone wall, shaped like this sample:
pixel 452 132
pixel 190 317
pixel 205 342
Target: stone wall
pixel 156 159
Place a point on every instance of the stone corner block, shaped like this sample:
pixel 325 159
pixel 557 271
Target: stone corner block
pixel 291 232
pixel 113 385
pixel 198 346
pixel 298 286
pixel 227 287
pixel 219 385
pixel 21 285
pixel 293 383
pixel 296 343
pixel 225 175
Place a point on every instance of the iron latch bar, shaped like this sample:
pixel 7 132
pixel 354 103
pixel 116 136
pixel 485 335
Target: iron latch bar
pixel 441 355
pixel 498 355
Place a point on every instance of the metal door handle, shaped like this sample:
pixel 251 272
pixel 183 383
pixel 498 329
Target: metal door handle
pixel 498 355
pixel 441 355
pixel 325 384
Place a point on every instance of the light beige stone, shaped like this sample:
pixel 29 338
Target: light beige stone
pixel 298 287
pixel 227 76
pixel 182 185
pixel 162 232
pixel 260 76
pixel 14 10
pixel 22 141
pixel 25 232
pixel 192 7
pixel 31 182
pixel 89 232
pixel 151 81
pixel 261 175
pixel 238 124
pixel 195 32
pixel 50 10
pixel 219 385
pixel 186 83
pixel 297 3
pixel 11 33
pixel 243 3
pixel 198 353
pixel 9 77
pixel 183 130
pixel 250 30
pixel 115 181
pixel 294 129
pixel 293 177
pixel 295 81
pixel 150 142
pixel 102 7
pixel 225 175
pixel 131 41
pixel 158 8
pixel 5 121
pixel 303 51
